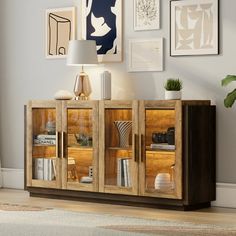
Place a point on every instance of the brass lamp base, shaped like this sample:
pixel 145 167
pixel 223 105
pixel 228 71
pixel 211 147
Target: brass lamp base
pixel 82 87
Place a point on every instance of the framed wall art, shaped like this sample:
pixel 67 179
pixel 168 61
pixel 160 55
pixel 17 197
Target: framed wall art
pixel 146 14
pixel 194 27
pixel 102 22
pixel 60 29
pixel 145 55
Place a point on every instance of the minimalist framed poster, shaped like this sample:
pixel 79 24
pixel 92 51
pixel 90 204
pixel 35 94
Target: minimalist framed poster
pixel 146 14
pixel 60 29
pixel 194 27
pixel 102 22
pixel 145 55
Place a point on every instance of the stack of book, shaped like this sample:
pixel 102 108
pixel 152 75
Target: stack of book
pixel 162 146
pixel 45 139
pixel 123 172
pixel 44 169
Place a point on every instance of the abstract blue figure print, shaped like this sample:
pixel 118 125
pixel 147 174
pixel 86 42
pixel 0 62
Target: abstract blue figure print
pixel 102 23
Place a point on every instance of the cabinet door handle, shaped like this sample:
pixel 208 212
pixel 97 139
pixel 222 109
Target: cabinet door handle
pixel 63 144
pixel 142 148
pixel 136 156
pixel 57 145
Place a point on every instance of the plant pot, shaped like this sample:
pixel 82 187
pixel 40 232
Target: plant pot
pixel 172 95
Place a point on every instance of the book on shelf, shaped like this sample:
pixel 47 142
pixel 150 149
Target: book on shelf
pixel 38 169
pixel 162 146
pixel 45 139
pixel 45 142
pixel 44 169
pixel 123 172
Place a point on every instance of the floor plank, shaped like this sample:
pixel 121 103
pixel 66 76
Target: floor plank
pixel 214 215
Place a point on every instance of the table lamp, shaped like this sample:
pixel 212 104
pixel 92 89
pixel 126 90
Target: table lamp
pixel 82 53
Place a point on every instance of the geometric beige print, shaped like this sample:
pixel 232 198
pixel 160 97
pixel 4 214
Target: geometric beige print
pixel 194 27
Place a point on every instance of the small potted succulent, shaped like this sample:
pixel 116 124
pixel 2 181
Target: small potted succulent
pixel 231 97
pixel 173 89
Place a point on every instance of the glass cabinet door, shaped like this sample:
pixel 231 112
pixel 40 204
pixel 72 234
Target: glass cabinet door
pixel 161 162
pixel 80 145
pixel 43 145
pixel 119 145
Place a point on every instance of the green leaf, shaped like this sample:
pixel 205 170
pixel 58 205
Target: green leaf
pixel 230 99
pixel 228 79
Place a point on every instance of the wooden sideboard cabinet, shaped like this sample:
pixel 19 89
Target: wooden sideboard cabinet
pixel 147 153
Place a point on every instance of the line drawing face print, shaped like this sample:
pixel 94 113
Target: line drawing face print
pixel 59 31
pixel 101 22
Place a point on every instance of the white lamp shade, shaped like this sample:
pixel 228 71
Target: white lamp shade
pixel 82 52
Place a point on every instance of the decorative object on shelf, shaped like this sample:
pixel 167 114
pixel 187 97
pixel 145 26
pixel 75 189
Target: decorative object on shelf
pixel 46 139
pixel 231 97
pixel 84 140
pixel 102 22
pixel 145 55
pixel 173 89
pixel 86 180
pixel 82 53
pixel 163 181
pixel 60 28
pixel 124 128
pixel 146 14
pixel 164 137
pixel 50 127
pixel 63 95
pixel 194 27
pixel 106 85
pixel 72 170
pixel 162 146
pixel 123 172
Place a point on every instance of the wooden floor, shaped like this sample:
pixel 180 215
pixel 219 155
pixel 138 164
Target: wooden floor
pixel 216 216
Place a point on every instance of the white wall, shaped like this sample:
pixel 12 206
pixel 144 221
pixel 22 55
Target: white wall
pixel 26 74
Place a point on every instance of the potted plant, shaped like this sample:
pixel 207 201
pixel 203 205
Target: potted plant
pixel 173 89
pixel 231 97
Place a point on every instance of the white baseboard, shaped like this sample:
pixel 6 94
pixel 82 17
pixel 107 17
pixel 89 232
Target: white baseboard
pixel 13 178
pixel 225 193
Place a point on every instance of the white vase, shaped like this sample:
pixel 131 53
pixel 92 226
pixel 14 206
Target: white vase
pixel 172 95
pixel 124 128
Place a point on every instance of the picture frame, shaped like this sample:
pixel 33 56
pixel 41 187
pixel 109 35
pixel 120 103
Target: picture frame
pixel 145 55
pixel 60 27
pixel 102 22
pixel 194 27
pixel 146 14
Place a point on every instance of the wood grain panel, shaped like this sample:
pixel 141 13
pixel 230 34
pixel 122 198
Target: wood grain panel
pixel 158 163
pixel 44 151
pixel 111 133
pixel 83 159
pixel 111 164
pixel 158 121
pixel 79 121
pixel 40 117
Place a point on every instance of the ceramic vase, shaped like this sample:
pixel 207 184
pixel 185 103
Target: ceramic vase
pixel 124 128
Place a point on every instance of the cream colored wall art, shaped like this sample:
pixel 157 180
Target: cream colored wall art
pixel 60 29
pixel 145 55
pixel 146 14
pixel 194 27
